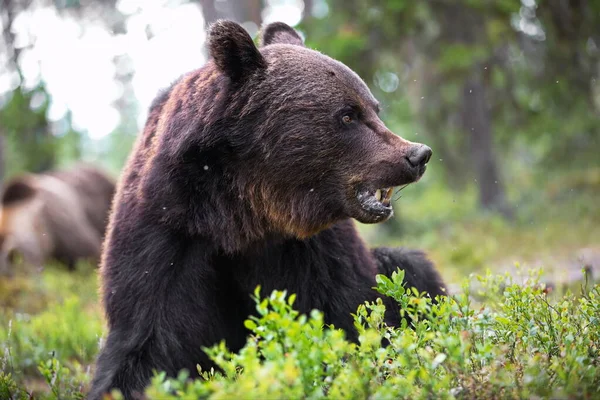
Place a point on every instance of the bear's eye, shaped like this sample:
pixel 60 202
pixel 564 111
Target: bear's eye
pixel 347 119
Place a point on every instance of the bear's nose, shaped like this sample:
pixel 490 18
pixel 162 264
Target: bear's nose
pixel 420 155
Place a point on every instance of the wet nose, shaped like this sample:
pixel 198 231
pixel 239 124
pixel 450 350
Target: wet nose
pixel 419 156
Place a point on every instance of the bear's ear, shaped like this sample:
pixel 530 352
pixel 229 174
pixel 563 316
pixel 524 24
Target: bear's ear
pixel 234 51
pixel 278 32
pixel 17 190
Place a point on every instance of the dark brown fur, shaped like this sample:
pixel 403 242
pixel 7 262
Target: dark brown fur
pixel 245 174
pixel 15 192
pixel 58 215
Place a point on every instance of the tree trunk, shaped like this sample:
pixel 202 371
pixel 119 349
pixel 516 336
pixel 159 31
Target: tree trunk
pixel 247 11
pixel 210 12
pixel 477 122
pixel 239 11
pixel 465 25
pixel 307 10
pixel 2 166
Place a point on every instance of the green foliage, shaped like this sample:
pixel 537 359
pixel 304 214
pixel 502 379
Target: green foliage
pixel 30 145
pixel 23 121
pixel 521 345
pixel 9 388
pixel 61 381
pixel 461 56
pixel 497 337
pixel 50 326
pixel 61 329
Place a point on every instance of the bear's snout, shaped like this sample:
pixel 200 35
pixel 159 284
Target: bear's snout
pixel 419 155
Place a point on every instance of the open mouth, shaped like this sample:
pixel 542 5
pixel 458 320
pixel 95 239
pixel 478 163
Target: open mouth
pixel 374 204
pixel 377 202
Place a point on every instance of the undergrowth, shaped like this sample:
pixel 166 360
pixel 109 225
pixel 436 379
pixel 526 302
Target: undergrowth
pixel 517 340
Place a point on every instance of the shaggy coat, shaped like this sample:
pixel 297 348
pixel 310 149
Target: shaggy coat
pixel 248 172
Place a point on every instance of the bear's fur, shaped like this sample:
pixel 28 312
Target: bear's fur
pixel 248 172
pixel 58 215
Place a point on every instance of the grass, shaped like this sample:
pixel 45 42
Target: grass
pixel 555 217
pixel 49 317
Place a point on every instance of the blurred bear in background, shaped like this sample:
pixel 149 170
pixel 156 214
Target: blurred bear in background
pixel 57 215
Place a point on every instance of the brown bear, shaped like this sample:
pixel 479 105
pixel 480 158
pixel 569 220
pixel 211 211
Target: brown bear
pixel 249 171
pixel 59 215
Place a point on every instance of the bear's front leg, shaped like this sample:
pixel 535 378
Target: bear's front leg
pixel 419 272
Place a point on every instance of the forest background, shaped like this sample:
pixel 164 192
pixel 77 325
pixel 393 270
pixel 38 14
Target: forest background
pixel 506 92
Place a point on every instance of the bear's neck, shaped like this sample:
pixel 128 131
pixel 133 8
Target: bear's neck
pixel 189 262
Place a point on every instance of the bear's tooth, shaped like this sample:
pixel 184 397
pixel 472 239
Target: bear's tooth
pixel 388 193
pixel 378 194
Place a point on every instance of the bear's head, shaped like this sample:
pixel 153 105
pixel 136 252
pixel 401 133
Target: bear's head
pixel 18 236
pixel 284 133
pixel 325 154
